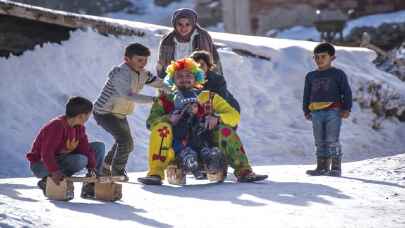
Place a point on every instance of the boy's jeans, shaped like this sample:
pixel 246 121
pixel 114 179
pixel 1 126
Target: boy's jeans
pixel 72 163
pixel 326 127
pixel 123 145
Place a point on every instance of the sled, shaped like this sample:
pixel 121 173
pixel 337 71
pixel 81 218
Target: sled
pixel 176 176
pixel 105 187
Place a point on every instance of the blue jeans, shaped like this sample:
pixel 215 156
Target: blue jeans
pixel 326 127
pixel 72 163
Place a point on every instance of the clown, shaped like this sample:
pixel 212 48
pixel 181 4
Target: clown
pixel 220 119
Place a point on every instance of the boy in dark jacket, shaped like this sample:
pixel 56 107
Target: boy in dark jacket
pixel 214 82
pixel 327 100
pixel 61 148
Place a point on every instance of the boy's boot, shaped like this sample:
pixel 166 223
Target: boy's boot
pixel 336 169
pixel 322 167
pixel 150 180
pixel 42 185
pixel 87 191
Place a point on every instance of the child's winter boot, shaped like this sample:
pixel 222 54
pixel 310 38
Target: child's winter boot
pixel 336 169
pixel 322 167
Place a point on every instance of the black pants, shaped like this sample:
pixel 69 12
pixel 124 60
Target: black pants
pixel 123 145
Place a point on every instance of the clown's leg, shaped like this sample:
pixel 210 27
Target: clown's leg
pixel 160 149
pixel 230 143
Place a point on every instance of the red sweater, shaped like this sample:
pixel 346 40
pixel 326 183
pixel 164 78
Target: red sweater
pixel 51 141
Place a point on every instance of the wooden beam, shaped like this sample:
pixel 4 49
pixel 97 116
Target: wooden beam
pixel 66 19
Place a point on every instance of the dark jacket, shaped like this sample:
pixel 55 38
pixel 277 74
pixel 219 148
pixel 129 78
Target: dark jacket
pixel 217 84
pixel 329 85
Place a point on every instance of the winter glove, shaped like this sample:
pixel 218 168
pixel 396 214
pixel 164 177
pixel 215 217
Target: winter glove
pixel 57 177
pixel 308 116
pixel 344 114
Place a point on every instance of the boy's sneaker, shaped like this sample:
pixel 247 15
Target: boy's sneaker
pixel 252 177
pixel 121 172
pixel 150 180
pixel 106 169
pixel 42 185
pixel 88 191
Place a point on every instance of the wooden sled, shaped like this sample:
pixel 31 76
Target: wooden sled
pixel 105 187
pixel 176 176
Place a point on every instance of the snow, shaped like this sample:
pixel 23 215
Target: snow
pixel 369 195
pixel 278 140
pixel 310 33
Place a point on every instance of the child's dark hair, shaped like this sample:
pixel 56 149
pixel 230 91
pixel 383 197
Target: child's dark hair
pixel 205 56
pixel 325 47
pixel 78 105
pixel 136 49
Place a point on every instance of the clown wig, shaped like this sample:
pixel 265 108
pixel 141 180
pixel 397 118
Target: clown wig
pixel 181 64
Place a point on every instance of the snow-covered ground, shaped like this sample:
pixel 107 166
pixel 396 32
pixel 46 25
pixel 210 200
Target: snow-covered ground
pixel 34 88
pixel 371 194
pixel 310 33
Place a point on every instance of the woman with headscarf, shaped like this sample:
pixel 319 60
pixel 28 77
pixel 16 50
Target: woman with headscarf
pixel 186 37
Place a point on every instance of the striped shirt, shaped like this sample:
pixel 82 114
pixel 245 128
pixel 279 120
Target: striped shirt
pixel 122 88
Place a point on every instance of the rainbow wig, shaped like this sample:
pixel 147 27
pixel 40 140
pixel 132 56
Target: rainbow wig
pixel 181 64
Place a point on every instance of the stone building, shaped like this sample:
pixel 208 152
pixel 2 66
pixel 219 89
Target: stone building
pixel 259 16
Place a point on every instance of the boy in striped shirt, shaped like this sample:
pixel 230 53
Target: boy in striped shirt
pixel 117 100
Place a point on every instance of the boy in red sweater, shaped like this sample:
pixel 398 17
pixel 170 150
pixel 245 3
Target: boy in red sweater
pixel 61 148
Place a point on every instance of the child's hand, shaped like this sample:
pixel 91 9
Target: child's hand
pixel 308 116
pixel 344 114
pixel 211 122
pixel 71 144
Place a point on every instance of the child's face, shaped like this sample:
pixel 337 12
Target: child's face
pixel 203 65
pixel 137 62
pixel 81 119
pixel 183 26
pixel 323 60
